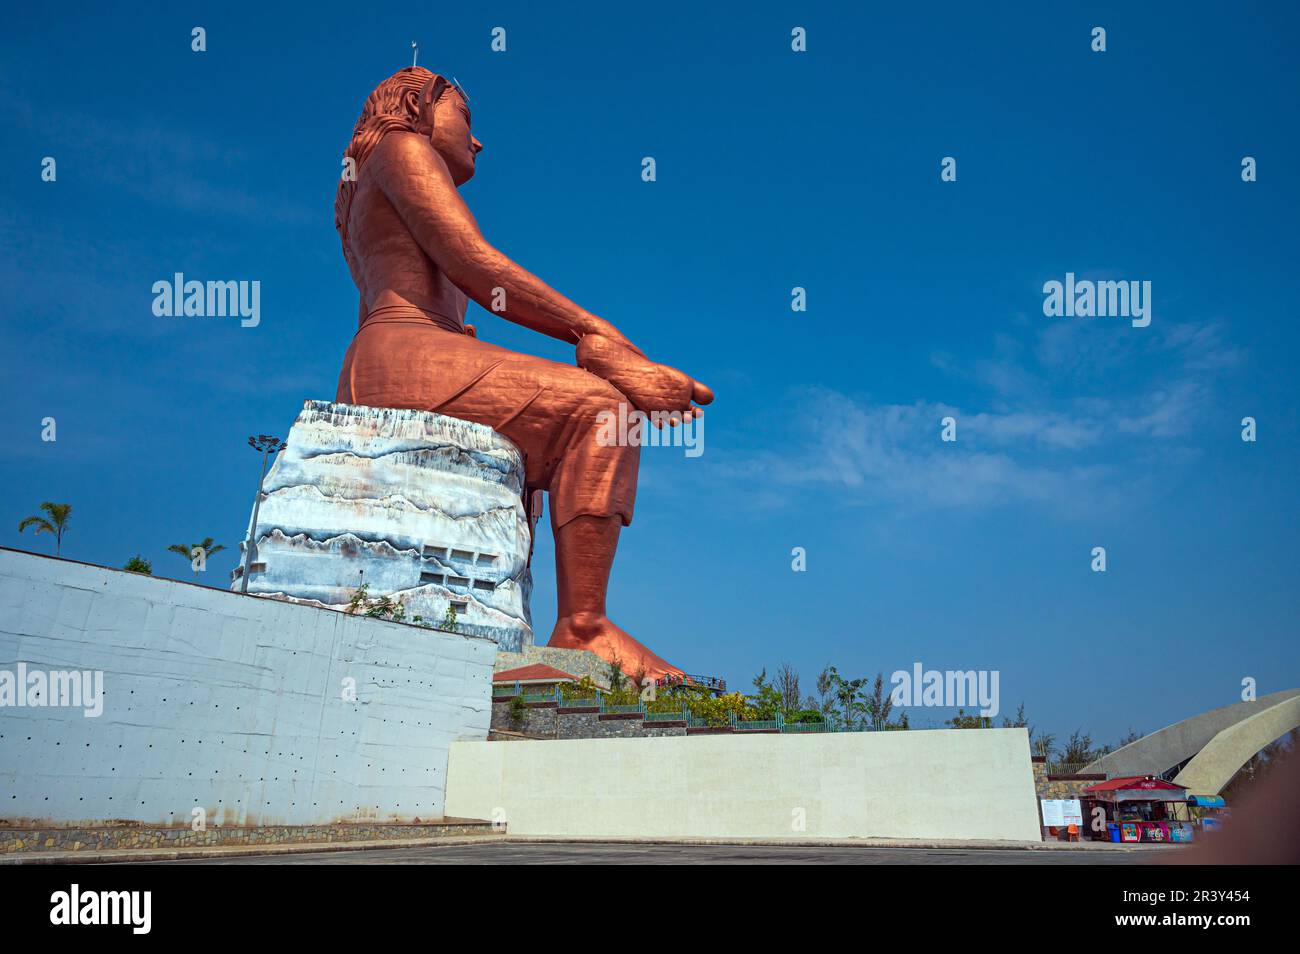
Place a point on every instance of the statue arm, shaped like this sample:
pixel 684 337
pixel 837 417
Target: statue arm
pixel 415 179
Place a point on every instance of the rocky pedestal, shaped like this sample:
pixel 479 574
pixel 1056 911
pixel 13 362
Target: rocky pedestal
pixel 423 508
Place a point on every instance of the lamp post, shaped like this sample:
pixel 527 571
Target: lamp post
pixel 266 445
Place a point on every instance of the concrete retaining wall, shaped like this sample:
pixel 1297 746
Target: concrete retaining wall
pixel 958 783
pixel 230 703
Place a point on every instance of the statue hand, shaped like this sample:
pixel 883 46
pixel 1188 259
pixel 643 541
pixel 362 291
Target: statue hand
pixel 603 329
pixel 649 386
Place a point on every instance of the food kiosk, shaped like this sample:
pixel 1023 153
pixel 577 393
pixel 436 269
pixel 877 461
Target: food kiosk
pixel 1140 808
pixel 1207 812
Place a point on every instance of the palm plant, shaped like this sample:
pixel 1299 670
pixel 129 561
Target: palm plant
pixel 55 522
pixel 187 551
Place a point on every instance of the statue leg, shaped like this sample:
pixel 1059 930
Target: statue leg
pixel 584 553
pixel 556 414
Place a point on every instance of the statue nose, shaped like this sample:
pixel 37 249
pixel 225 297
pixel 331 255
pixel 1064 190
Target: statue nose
pixel 475 145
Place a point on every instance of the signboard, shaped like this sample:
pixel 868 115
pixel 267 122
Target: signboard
pixel 1053 816
pixel 1060 812
pixel 1072 812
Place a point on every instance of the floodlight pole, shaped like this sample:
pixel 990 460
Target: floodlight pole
pixel 266 445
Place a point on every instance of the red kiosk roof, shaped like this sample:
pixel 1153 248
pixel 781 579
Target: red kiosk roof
pixel 534 673
pixel 1135 783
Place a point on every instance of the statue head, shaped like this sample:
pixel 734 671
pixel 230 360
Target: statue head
pixel 411 100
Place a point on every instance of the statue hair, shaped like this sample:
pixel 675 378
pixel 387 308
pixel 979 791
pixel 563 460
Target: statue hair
pixel 386 110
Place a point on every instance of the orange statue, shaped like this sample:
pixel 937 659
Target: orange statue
pixel 417 256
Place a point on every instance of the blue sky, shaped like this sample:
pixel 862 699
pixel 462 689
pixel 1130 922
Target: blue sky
pixel 775 170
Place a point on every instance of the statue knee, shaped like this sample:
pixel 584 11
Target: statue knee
pixel 599 395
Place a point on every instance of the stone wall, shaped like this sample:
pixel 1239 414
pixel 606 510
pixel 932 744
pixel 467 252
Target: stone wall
pixel 576 662
pixel 1062 786
pixel 14 840
pixel 544 720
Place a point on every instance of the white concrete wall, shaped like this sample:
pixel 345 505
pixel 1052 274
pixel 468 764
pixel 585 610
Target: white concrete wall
pixel 228 702
pixel 953 783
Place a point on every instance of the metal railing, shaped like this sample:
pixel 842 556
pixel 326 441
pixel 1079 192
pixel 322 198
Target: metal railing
pixel 1066 768
pixel 518 690
pixel 712 683
pixel 580 702
pixel 805 727
pixel 668 715
pixel 756 725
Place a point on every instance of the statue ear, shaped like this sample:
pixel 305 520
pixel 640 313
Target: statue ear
pixel 412 104
pixel 427 97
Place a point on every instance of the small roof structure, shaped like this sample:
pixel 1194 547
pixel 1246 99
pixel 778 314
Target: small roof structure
pixel 1137 788
pixel 533 674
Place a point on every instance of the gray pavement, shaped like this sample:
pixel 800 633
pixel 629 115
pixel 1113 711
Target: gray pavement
pixel 576 853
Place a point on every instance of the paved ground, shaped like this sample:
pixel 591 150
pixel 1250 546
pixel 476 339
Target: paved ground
pixel 571 853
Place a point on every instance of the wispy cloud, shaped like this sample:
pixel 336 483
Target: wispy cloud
pixel 1063 415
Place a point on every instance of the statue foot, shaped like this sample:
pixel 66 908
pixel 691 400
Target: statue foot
pixel 599 635
pixel 649 386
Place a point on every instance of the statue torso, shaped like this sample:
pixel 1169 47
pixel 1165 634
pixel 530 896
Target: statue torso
pixel 392 269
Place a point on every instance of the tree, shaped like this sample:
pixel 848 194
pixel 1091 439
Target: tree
pixel 824 701
pixel 1078 749
pixel 1044 744
pixel 973 721
pixel 787 684
pixel 847 696
pixel 138 564
pixel 614 674
pixel 55 523
pixel 1018 722
pixel 187 551
pixel 879 704
pixel 767 701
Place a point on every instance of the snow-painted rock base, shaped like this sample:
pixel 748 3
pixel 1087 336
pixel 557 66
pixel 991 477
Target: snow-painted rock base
pixel 423 508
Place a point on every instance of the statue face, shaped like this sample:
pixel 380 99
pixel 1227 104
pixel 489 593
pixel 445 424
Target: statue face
pixel 452 138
